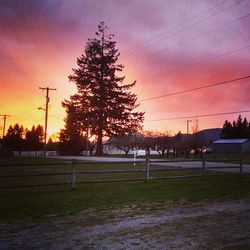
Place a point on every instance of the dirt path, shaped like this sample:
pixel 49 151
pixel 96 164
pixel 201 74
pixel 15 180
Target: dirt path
pixel 215 225
pixel 218 166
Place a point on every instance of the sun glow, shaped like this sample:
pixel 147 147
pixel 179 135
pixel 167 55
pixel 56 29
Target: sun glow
pixel 41 52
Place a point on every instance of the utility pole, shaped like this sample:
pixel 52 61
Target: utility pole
pixel 4 123
pixel 195 126
pixel 46 116
pixel 188 121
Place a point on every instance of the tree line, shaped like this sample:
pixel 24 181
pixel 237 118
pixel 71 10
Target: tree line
pixel 238 129
pixel 165 144
pixel 20 138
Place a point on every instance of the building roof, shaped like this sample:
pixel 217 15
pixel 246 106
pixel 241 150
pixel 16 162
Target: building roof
pixel 231 141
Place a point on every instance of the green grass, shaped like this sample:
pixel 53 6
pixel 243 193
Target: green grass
pixel 28 160
pixel 231 157
pixel 40 202
pixel 60 201
pixel 31 166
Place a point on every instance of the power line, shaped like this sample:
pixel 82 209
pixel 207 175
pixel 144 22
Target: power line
pixel 194 89
pixel 199 35
pixel 25 112
pixel 130 50
pixel 211 30
pixel 198 63
pixel 38 121
pixel 184 29
pixel 195 116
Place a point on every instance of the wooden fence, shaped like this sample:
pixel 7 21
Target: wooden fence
pixel 146 172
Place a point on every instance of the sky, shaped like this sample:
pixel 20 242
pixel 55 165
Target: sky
pixel 166 46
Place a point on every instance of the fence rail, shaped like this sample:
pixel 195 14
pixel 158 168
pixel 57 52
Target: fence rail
pixel 36 164
pixel 74 173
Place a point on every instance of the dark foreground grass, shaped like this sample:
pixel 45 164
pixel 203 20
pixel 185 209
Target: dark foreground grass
pixel 58 201
pixel 29 160
pixel 41 202
pixel 229 157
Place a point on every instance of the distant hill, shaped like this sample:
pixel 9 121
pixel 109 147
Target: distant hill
pixel 209 135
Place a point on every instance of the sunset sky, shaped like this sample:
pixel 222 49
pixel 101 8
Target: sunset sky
pixel 167 46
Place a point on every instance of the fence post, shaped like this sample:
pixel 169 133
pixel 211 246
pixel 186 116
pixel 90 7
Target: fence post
pixel 241 167
pixel 74 172
pixel 147 176
pixel 135 153
pixel 203 167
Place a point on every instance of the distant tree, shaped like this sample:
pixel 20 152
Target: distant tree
pixel 104 104
pixel 34 138
pixel 52 146
pixel 125 143
pixel 145 140
pixel 163 142
pixel 176 143
pixel 227 130
pixel 154 140
pixel 191 142
pixel 239 129
pixel 13 139
pixel 71 139
pixel 246 128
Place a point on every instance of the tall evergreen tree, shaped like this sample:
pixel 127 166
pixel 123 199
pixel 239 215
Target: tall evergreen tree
pixel 104 104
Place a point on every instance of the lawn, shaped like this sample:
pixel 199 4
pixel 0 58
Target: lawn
pixel 229 157
pixel 42 202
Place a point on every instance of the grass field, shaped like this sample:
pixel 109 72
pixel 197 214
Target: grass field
pixel 245 157
pixel 23 167
pixel 42 202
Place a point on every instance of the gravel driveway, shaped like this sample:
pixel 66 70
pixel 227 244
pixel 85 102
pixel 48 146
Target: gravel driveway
pixel 218 166
pixel 202 225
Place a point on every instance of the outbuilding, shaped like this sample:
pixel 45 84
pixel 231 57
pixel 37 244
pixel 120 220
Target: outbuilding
pixel 231 146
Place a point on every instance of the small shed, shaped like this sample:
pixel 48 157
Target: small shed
pixel 231 146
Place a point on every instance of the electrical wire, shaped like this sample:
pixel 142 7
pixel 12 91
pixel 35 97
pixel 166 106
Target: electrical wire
pixel 183 29
pixel 209 32
pixel 199 116
pixel 197 63
pixel 198 88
